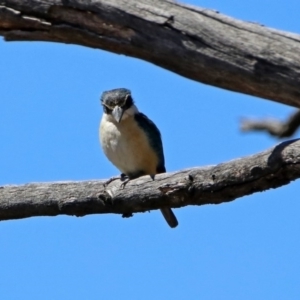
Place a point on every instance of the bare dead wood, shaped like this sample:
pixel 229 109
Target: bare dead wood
pixel 197 43
pixel 198 186
pixel 274 127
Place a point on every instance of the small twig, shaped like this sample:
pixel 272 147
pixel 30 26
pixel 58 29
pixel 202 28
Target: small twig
pixel 274 127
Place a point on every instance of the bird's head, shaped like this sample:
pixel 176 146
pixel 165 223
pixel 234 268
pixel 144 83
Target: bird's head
pixel 116 102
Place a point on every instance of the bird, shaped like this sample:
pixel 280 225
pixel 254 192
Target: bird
pixel 131 141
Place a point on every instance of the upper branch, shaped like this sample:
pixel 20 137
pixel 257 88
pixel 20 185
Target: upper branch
pixel 200 44
pixel 208 185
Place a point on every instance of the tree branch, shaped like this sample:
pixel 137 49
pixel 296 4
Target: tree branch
pixel 197 186
pixel 274 127
pixel 197 43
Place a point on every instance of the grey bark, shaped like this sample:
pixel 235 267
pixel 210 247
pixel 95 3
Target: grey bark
pixel 197 43
pixel 198 186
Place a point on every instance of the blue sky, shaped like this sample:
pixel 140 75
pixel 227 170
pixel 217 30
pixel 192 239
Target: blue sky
pixel 50 112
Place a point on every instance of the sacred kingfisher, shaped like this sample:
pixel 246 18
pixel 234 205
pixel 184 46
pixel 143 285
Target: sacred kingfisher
pixel 131 141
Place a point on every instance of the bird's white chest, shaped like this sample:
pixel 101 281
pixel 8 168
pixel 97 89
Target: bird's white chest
pixel 127 146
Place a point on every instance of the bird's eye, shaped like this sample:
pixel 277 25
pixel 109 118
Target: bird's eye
pixel 106 109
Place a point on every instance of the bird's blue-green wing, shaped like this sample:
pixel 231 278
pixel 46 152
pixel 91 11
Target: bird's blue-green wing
pixel 154 137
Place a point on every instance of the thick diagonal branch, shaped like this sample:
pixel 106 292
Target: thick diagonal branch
pixel 208 185
pixel 197 43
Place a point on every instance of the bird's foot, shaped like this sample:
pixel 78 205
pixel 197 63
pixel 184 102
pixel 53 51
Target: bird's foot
pixel 125 180
pixel 122 177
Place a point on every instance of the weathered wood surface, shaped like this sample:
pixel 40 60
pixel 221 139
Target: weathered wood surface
pixel 198 186
pixel 197 43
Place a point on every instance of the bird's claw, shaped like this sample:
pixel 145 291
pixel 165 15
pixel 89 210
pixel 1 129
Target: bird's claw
pixel 125 180
pixel 122 177
pixel 106 183
pixel 122 186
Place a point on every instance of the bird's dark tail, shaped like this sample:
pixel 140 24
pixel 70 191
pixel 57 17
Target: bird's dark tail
pixel 169 216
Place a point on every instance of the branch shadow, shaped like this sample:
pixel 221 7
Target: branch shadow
pixel 275 159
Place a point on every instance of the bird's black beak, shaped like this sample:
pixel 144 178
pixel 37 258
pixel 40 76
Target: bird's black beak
pixel 117 113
